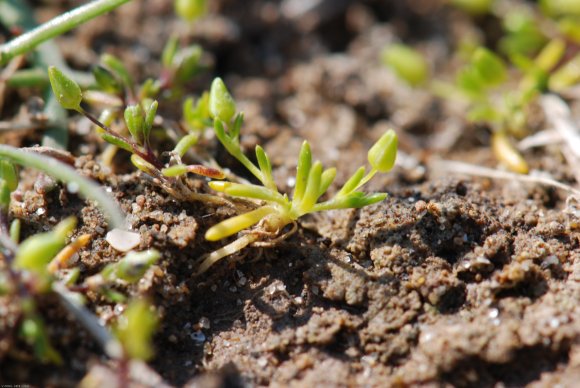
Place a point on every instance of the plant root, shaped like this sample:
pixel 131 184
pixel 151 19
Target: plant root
pixel 227 250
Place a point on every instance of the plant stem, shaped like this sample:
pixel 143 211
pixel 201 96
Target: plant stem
pixel 67 174
pixel 367 178
pixel 55 27
pixel 148 156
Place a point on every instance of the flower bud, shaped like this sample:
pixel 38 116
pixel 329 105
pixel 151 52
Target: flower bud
pixel 383 153
pixel 68 92
pixel 221 103
pixel 190 9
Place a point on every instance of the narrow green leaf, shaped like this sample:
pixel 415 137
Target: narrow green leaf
pixel 114 64
pixel 470 83
pixel 566 76
pixel 185 144
pixel 326 180
pixel 150 113
pixel 169 52
pixel 116 141
pixel 5 196
pixel 220 132
pixel 105 80
pixel 187 63
pixel 489 66
pixel 312 190
pixel 255 192
pixel 142 164
pixel 302 171
pixel 550 55
pixel 15 228
pixel 135 120
pixel 235 224
pixel 265 167
pixel 173 171
pixel 9 174
pixel 236 127
pixel 352 183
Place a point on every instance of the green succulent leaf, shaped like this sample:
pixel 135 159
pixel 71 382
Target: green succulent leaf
pixel 566 76
pixel 116 141
pixel 5 193
pixel 302 170
pixel 185 144
pixel 150 113
pixel 312 190
pixel 265 168
pixel 550 55
pixel 236 127
pixel 173 171
pixel 117 67
pixel 106 81
pixel 169 52
pixel 248 191
pixel 142 164
pixel 187 63
pixel 352 183
pixel 326 180
pixel 233 225
pixel 490 67
pixel 135 120
pixel 9 174
pixel 196 114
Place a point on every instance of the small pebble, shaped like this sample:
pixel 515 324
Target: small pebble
pixel 123 240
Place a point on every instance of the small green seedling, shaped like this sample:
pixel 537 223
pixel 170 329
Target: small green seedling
pixel 139 120
pixel 277 210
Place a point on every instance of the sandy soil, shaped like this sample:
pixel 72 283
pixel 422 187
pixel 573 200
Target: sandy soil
pixel 451 281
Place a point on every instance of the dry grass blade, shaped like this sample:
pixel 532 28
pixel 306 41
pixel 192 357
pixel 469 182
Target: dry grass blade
pixel 559 115
pixel 474 170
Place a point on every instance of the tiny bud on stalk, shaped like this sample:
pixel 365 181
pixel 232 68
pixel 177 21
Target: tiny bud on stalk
pixel 221 103
pixel 383 153
pixel 190 9
pixel 68 92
